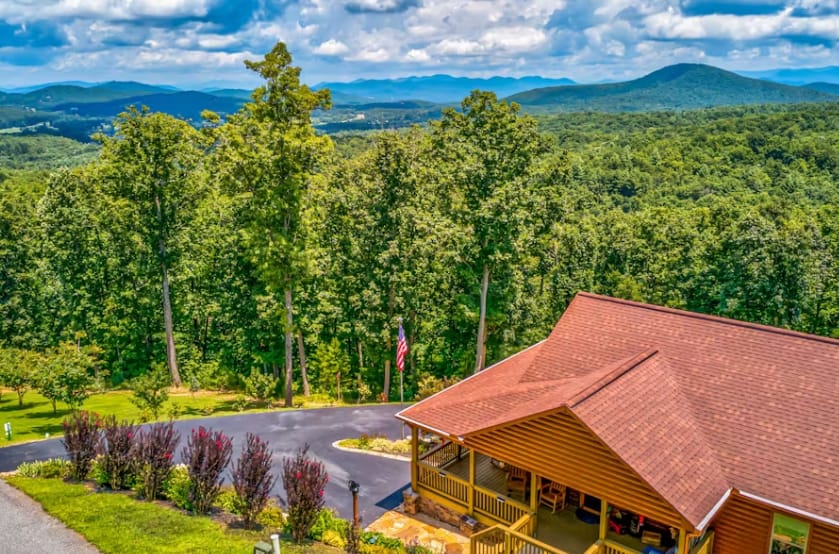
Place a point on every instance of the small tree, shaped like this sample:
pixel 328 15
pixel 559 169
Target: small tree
pixel 332 361
pixel 252 479
pixel 81 440
pixel 18 369
pixel 116 449
pixel 66 376
pixel 304 480
pixel 151 390
pixel 261 386
pixel 206 455
pixel 153 457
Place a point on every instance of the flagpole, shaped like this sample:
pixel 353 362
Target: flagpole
pixel 401 390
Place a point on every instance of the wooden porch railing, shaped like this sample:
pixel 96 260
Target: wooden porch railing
pixel 499 507
pixel 442 455
pixel 609 547
pixel 500 540
pixel 443 483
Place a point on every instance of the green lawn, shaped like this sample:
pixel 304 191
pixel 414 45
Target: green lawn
pixel 119 523
pixel 36 418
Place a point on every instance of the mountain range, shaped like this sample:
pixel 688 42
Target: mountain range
pixel 78 109
pixel 675 87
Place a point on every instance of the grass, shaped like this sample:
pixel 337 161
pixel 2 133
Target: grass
pixel 119 523
pixel 36 418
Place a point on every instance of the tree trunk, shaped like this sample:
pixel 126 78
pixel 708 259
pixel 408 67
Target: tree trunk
pixel 480 350
pixel 289 322
pixel 301 351
pixel 360 369
pixel 388 344
pixel 171 355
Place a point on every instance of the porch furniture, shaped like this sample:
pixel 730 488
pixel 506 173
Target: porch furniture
pixel 553 496
pixel 518 481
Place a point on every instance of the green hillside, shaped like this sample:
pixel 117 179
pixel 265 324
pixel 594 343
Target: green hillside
pixel 52 96
pixel 830 88
pixel 676 87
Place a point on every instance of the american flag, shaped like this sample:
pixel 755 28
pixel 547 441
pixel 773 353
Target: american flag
pixel 401 349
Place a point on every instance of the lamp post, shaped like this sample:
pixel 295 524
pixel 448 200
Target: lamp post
pixel 353 488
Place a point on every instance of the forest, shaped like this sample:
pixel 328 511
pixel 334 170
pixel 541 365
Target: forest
pixel 256 246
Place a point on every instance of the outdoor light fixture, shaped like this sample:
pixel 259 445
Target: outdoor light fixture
pixel 353 488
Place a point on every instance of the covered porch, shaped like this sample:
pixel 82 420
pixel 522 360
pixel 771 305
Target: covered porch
pixel 519 520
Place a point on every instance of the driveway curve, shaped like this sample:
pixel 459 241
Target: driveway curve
pixel 381 479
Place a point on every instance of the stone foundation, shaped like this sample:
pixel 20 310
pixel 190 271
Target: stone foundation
pixel 414 503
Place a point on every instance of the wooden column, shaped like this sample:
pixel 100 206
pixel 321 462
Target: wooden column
pixel 604 518
pixel 414 456
pixel 471 492
pixel 534 492
pixel 683 542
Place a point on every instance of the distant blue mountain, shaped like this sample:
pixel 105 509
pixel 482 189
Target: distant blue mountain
pixel 187 105
pixel 435 88
pixel 830 88
pixel 801 76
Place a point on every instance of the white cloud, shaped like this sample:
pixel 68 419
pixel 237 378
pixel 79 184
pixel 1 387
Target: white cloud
pixel 331 47
pixel 376 56
pixel 417 56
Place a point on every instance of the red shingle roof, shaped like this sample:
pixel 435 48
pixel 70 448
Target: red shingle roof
pixel 706 403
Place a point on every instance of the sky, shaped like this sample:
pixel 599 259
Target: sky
pixel 192 43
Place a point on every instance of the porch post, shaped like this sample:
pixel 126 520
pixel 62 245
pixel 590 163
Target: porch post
pixel 471 492
pixel 683 542
pixel 604 518
pixel 534 492
pixel 414 457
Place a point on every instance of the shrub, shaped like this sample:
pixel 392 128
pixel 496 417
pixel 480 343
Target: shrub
pixel 304 480
pixel 261 386
pixel 328 521
pixel 352 540
pixel 116 451
pixel 271 517
pixel 252 479
pixel 240 403
pixel 206 455
pixel 151 390
pixel 46 469
pixel 429 385
pixel 226 500
pixel 81 440
pixel 333 538
pixel 177 486
pixel 153 458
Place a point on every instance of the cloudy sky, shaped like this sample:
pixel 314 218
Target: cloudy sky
pixel 192 42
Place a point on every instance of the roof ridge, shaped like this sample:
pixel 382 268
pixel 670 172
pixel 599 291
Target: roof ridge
pixel 599 384
pixel 712 318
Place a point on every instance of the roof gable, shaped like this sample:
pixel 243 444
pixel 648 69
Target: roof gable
pixel 758 407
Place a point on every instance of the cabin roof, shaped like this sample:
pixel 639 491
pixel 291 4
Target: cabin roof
pixel 695 404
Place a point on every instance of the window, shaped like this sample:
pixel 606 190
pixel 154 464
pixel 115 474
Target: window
pixel 789 536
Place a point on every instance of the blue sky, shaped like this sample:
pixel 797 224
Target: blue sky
pixel 189 42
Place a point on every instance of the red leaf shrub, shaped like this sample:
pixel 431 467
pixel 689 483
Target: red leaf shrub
pixel 206 455
pixel 116 448
pixel 153 457
pixel 81 440
pixel 304 480
pixel 252 479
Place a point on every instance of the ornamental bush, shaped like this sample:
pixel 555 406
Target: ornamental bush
pixel 252 479
pixel 152 460
pixel 206 455
pixel 116 449
pixel 304 480
pixel 176 487
pixel 81 440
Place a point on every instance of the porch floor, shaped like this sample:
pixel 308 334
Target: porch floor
pixel 562 529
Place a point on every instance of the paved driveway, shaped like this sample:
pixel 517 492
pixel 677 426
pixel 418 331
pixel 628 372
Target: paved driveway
pixel 381 479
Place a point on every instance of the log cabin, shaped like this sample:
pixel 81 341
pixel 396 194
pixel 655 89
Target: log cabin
pixel 634 428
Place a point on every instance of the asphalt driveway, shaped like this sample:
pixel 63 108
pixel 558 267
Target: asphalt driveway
pixel 381 479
